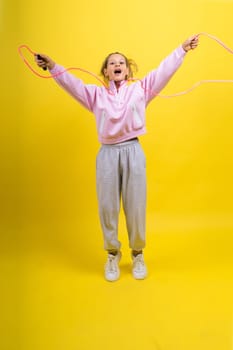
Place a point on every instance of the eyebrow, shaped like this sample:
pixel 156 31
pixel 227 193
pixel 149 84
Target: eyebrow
pixel 115 60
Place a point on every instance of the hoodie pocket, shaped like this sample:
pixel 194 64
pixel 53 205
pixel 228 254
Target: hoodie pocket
pixel 137 120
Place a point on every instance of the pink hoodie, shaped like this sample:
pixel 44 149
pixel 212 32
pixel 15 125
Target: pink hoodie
pixel 120 115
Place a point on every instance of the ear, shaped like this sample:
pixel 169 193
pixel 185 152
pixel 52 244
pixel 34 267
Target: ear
pixel 105 73
pixel 127 74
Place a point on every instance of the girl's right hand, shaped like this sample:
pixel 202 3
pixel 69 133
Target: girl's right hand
pixel 191 43
pixel 44 61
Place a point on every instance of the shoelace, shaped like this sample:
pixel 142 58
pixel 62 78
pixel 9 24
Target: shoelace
pixel 112 263
pixel 138 262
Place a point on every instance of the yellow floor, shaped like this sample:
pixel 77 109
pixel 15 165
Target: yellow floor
pixel 64 303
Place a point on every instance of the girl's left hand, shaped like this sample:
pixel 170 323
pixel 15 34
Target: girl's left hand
pixel 191 43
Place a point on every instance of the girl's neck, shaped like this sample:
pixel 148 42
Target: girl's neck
pixel 117 84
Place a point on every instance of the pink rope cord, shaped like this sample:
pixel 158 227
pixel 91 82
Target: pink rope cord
pixel 133 79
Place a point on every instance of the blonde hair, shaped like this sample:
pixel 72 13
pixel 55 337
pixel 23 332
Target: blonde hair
pixel 133 68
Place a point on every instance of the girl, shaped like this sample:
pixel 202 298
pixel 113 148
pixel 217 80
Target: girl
pixel 120 167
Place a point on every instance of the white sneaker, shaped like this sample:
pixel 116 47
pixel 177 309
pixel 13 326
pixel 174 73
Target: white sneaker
pixel 112 271
pixel 139 267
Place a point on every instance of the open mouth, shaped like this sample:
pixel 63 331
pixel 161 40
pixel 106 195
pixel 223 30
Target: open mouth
pixel 117 71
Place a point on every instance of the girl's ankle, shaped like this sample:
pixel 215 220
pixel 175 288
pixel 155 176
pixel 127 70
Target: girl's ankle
pixel 113 252
pixel 136 252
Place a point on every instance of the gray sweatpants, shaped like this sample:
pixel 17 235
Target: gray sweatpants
pixel 120 170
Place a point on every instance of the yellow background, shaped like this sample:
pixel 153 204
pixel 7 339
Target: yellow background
pixel 54 295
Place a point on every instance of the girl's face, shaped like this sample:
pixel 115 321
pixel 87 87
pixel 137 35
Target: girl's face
pixel 117 69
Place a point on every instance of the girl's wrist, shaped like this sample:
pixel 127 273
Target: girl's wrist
pixel 184 48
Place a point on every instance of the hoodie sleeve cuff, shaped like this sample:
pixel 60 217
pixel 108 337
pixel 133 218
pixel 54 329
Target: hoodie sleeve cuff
pixel 182 51
pixel 57 68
